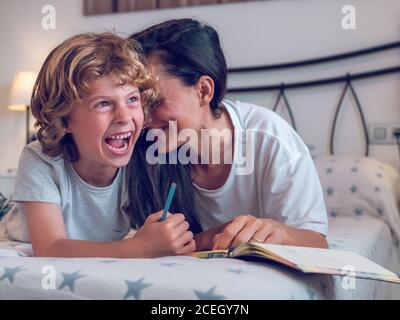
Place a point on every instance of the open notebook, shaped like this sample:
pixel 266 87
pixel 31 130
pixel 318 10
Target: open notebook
pixel 308 260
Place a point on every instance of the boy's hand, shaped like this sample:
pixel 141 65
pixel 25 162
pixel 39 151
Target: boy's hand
pixel 165 238
pixel 247 228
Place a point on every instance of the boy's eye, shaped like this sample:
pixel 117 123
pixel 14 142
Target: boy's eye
pixel 103 104
pixel 133 99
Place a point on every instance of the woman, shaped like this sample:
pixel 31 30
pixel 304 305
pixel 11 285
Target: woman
pixel 277 199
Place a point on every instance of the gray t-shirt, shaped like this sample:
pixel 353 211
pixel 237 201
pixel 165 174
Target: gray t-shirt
pixel 90 213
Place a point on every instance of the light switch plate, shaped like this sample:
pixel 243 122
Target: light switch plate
pixel 382 133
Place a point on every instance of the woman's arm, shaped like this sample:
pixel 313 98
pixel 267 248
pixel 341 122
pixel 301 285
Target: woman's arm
pixel 49 238
pixel 248 228
pixel 305 238
pixel 205 239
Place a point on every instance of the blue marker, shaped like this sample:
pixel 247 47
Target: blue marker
pixel 169 200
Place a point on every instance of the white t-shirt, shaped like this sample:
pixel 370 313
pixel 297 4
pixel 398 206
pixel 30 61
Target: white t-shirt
pixel 283 184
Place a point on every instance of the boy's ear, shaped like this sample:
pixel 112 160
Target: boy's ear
pixel 205 86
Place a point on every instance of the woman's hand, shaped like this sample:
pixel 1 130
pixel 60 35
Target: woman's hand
pixel 247 228
pixel 165 238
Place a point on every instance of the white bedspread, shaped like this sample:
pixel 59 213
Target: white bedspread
pixel 22 276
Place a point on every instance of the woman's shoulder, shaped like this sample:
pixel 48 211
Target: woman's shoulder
pixel 252 116
pixel 271 131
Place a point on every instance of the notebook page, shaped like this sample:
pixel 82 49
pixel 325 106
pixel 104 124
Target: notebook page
pixel 314 259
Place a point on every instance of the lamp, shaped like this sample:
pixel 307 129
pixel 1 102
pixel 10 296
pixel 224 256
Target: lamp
pixel 20 95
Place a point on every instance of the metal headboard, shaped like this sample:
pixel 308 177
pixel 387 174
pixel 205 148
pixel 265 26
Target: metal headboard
pixel 347 79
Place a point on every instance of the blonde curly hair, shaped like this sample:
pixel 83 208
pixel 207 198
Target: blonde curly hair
pixel 65 78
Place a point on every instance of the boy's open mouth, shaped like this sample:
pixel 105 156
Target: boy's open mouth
pixel 119 143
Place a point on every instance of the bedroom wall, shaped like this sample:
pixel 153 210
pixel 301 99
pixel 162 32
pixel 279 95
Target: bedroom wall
pixel 260 32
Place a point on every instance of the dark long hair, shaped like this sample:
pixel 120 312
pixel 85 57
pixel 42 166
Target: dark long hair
pixel 188 50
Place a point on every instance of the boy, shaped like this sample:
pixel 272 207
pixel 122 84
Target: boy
pixel 88 102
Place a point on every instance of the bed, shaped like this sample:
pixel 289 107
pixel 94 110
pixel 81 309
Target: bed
pixel 365 221
pixel 361 196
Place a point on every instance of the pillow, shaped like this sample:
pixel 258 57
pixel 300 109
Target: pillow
pixel 360 186
pixel 13 225
pixel 5 205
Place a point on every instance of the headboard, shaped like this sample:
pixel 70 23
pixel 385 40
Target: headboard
pixel 347 79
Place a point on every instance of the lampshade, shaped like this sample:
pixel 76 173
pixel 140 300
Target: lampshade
pixel 21 90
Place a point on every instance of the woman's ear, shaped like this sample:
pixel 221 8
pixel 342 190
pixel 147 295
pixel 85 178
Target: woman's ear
pixel 205 86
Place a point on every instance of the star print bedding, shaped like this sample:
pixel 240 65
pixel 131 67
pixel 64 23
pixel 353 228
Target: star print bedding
pixel 361 197
pixel 359 187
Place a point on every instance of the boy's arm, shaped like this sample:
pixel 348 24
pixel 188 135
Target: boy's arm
pixel 49 238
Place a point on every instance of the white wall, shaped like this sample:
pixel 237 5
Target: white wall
pixel 252 33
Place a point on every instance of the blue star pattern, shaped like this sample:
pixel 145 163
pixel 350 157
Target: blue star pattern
pixel 329 170
pixel 329 191
pixel 237 271
pixel 169 264
pixel 311 293
pixel 351 188
pixel 358 212
pixel 135 288
pixel 108 261
pixel 9 273
pixel 208 295
pixel 70 279
pixel 324 286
